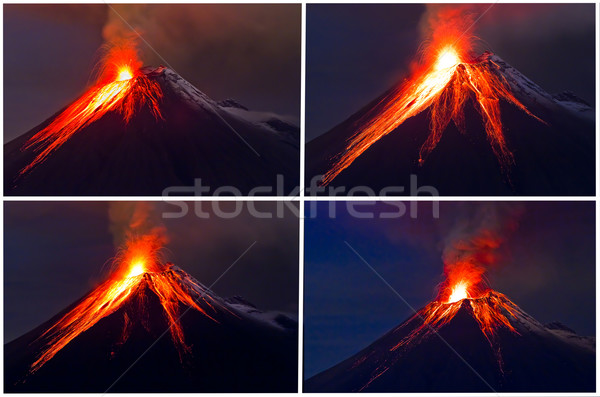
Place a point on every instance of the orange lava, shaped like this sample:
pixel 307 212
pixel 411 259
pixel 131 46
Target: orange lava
pixel 137 267
pixel 444 84
pixel 491 310
pixel 121 87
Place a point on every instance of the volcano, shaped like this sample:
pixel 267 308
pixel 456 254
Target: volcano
pixel 465 344
pixel 466 126
pixel 144 130
pixel 110 340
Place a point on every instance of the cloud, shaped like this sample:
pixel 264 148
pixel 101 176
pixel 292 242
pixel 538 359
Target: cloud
pixel 251 52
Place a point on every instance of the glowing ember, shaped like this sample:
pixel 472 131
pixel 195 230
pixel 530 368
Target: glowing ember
pixel 447 58
pixel 443 85
pixel 136 270
pixel 459 292
pixel 129 277
pixel 124 74
pixel 120 88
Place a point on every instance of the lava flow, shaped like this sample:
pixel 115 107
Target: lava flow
pixel 121 87
pixel 491 309
pixel 449 77
pixel 136 267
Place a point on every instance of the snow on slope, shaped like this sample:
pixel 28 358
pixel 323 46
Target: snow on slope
pixel 526 89
pixel 524 323
pixel 202 101
pixel 238 305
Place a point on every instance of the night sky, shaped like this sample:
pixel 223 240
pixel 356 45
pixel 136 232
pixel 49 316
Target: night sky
pixel 356 52
pixel 546 266
pixel 54 253
pixel 250 53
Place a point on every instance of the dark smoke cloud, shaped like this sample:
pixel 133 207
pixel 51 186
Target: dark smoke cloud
pixel 250 52
pixel 474 242
pixel 477 233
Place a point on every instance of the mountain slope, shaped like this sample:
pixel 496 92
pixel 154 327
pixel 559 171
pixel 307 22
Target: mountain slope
pixel 535 358
pixel 556 158
pixel 236 349
pixel 196 138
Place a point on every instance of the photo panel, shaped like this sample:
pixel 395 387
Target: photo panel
pixel 127 296
pixel 485 297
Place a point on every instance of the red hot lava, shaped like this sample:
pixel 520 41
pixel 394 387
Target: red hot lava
pixel 137 266
pixel 121 87
pixel 449 77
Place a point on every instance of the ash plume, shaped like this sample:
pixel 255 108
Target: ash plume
pixel 233 40
pixel 131 220
pixel 441 21
pixel 474 239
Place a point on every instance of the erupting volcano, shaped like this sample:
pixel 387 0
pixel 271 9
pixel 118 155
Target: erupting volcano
pixel 469 339
pixel 485 128
pixel 138 130
pixel 214 345
pixel 444 86
pixel 121 87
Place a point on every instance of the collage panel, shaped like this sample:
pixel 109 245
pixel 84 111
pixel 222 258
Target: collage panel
pixel 150 297
pixel 450 99
pixel 152 99
pixel 437 297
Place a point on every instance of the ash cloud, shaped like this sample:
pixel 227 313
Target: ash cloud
pixel 129 219
pixel 248 52
pixel 475 238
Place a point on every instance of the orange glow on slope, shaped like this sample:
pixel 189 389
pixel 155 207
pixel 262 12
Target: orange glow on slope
pixel 137 267
pixel 491 310
pixel 443 85
pixel 121 87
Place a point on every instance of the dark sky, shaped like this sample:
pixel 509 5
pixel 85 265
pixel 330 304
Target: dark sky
pixel 356 52
pixel 250 53
pixel 546 266
pixel 54 253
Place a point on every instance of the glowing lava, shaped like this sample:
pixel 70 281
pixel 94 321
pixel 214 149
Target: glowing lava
pixel 459 292
pixel 124 74
pixel 449 78
pixel 137 268
pixel 121 88
pixel 491 310
pixel 447 58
